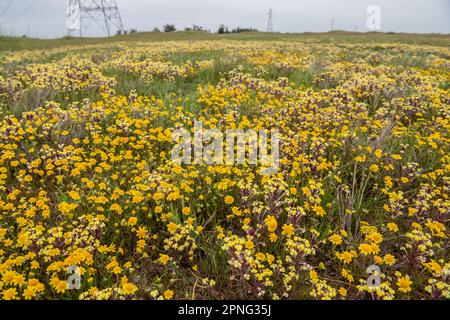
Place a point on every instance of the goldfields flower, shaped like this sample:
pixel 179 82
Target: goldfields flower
pixel 404 284
pixel 288 230
pixel 168 294
pixel 271 223
pixel 10 294
pixel 335 239
pixel 164 259
pixel 172 227
pixel 229 200
pixel 129 288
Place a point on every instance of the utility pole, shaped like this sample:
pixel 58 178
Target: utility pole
pixel 105 14
pixel 270 21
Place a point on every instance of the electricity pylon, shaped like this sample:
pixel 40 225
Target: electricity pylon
pixel 270 21
pixel 105 13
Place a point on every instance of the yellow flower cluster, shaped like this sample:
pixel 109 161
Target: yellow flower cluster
pixel 87 180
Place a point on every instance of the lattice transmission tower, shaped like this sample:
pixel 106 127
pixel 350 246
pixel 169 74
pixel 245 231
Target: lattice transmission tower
pixel 270 21
pixel 82 13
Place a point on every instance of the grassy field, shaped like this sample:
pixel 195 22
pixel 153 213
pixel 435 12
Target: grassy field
pixel 15 44
pixel 92 206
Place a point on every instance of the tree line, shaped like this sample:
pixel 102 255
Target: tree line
pixel 168 27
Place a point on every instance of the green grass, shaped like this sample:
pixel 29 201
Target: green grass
pixel 8 43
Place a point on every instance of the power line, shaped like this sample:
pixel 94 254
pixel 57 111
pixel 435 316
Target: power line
pixel 7 7
pixel 23 12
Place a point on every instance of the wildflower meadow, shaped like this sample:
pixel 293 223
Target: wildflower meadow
pixel 94 205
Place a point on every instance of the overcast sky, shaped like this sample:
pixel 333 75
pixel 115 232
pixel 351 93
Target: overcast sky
pixel 47 18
